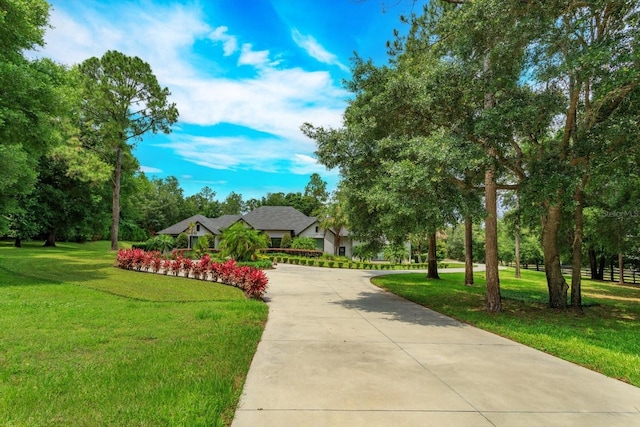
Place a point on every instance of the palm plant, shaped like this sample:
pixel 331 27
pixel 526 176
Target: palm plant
pixel 242 243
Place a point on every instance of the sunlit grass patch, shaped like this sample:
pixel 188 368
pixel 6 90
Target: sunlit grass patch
pixel 85 343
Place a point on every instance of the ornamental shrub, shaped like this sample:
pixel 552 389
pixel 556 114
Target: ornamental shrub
pixel 308 243
pixel 251 280
pixel 242 243
pixel 182 241
pixel 202 245
pixel 286 241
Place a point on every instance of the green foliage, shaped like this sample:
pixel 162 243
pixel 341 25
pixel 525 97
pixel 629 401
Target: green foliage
pixel 303 243
pixel 233 204
pixel 441 250
pixel 182 241
pixel 286 241
pixel 203 203
pixel 202 245
pixel 33 108
pixel 131 232
pixel 396 253
pixel 242 243
pixel 162 242
pixel 123 101
pixel 81 370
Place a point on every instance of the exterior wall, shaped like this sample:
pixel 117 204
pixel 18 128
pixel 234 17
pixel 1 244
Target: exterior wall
pixel 345 241
pixel 318 236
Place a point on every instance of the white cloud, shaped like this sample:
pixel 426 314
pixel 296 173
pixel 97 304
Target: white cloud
pixel 229 43
pixel 276 100
pixel 315 50
pixel 149 169
pixel 303 164
pixel 251 57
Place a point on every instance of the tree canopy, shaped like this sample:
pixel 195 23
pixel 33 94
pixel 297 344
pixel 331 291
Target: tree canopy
pixel 122 101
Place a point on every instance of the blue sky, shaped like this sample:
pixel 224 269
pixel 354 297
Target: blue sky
pixel 245 74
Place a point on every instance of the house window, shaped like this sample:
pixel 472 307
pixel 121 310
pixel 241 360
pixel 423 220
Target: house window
pixel 198 228
pixel 317 229
pixel 342 251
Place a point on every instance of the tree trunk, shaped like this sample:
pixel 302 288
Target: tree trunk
pixel 493 301
pixel 492 298
pixel 18 243
pixel 601 270
pixel 336 242
pixel 432 261
pixel 518 275
pixel 593 265
pixel 468 250
pixel 51 239
pixel 576 262
pixel 611 269
pixel 621 268
pixel 555 281
pixel 115 214
pixel 419 252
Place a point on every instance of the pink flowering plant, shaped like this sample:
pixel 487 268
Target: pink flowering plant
pixel 252 281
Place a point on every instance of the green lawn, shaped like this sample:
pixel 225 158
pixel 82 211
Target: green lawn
pixel 605 337
pixel 83 343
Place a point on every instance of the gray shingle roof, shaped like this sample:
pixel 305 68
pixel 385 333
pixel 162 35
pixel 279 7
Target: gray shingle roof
pixel 262 218
pixel 182 226
pixel 224 221
pixel 278 218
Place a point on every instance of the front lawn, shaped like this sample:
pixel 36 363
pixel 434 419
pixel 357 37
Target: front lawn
pixel 603 338
pixel 83 343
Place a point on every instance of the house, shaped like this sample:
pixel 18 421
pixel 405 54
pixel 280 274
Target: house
pixel 276 221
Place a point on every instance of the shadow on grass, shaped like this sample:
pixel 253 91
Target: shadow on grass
pixel 45 270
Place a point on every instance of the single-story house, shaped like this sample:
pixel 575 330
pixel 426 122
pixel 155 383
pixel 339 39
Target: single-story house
pixel 276 221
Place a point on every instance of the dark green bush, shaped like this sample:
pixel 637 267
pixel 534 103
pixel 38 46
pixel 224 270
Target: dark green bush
pixel 182 241
pixel 286 241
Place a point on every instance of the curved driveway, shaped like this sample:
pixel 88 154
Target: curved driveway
pixel 338 351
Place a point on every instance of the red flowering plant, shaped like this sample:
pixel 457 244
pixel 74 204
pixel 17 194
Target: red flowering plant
pixel 255 284
pixel 225 271
pixel 187 266
pixel 251 280
pixel 138 259
pixel 147 260
pixel 156 262
pixel 201 267
pixel 125 259
pixel 214 271
pixel 166 266
pixel 176 266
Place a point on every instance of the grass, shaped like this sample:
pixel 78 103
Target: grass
pixel 83 343
pixel 604 337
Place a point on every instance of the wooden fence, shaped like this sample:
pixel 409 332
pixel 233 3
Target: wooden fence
pixel 612 274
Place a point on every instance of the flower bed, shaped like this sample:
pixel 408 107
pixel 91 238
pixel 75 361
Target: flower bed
pixel 251 280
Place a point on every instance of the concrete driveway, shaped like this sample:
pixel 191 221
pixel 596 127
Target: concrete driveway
pixel 337 351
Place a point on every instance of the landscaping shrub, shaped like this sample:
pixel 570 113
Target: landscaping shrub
pixel 182 241
pixel 308 243
pixel 202 245
pixel 242 243
pixel 251 280
pixel 320 263
pixel 286 241
pixel 307 253
pixel 261 264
